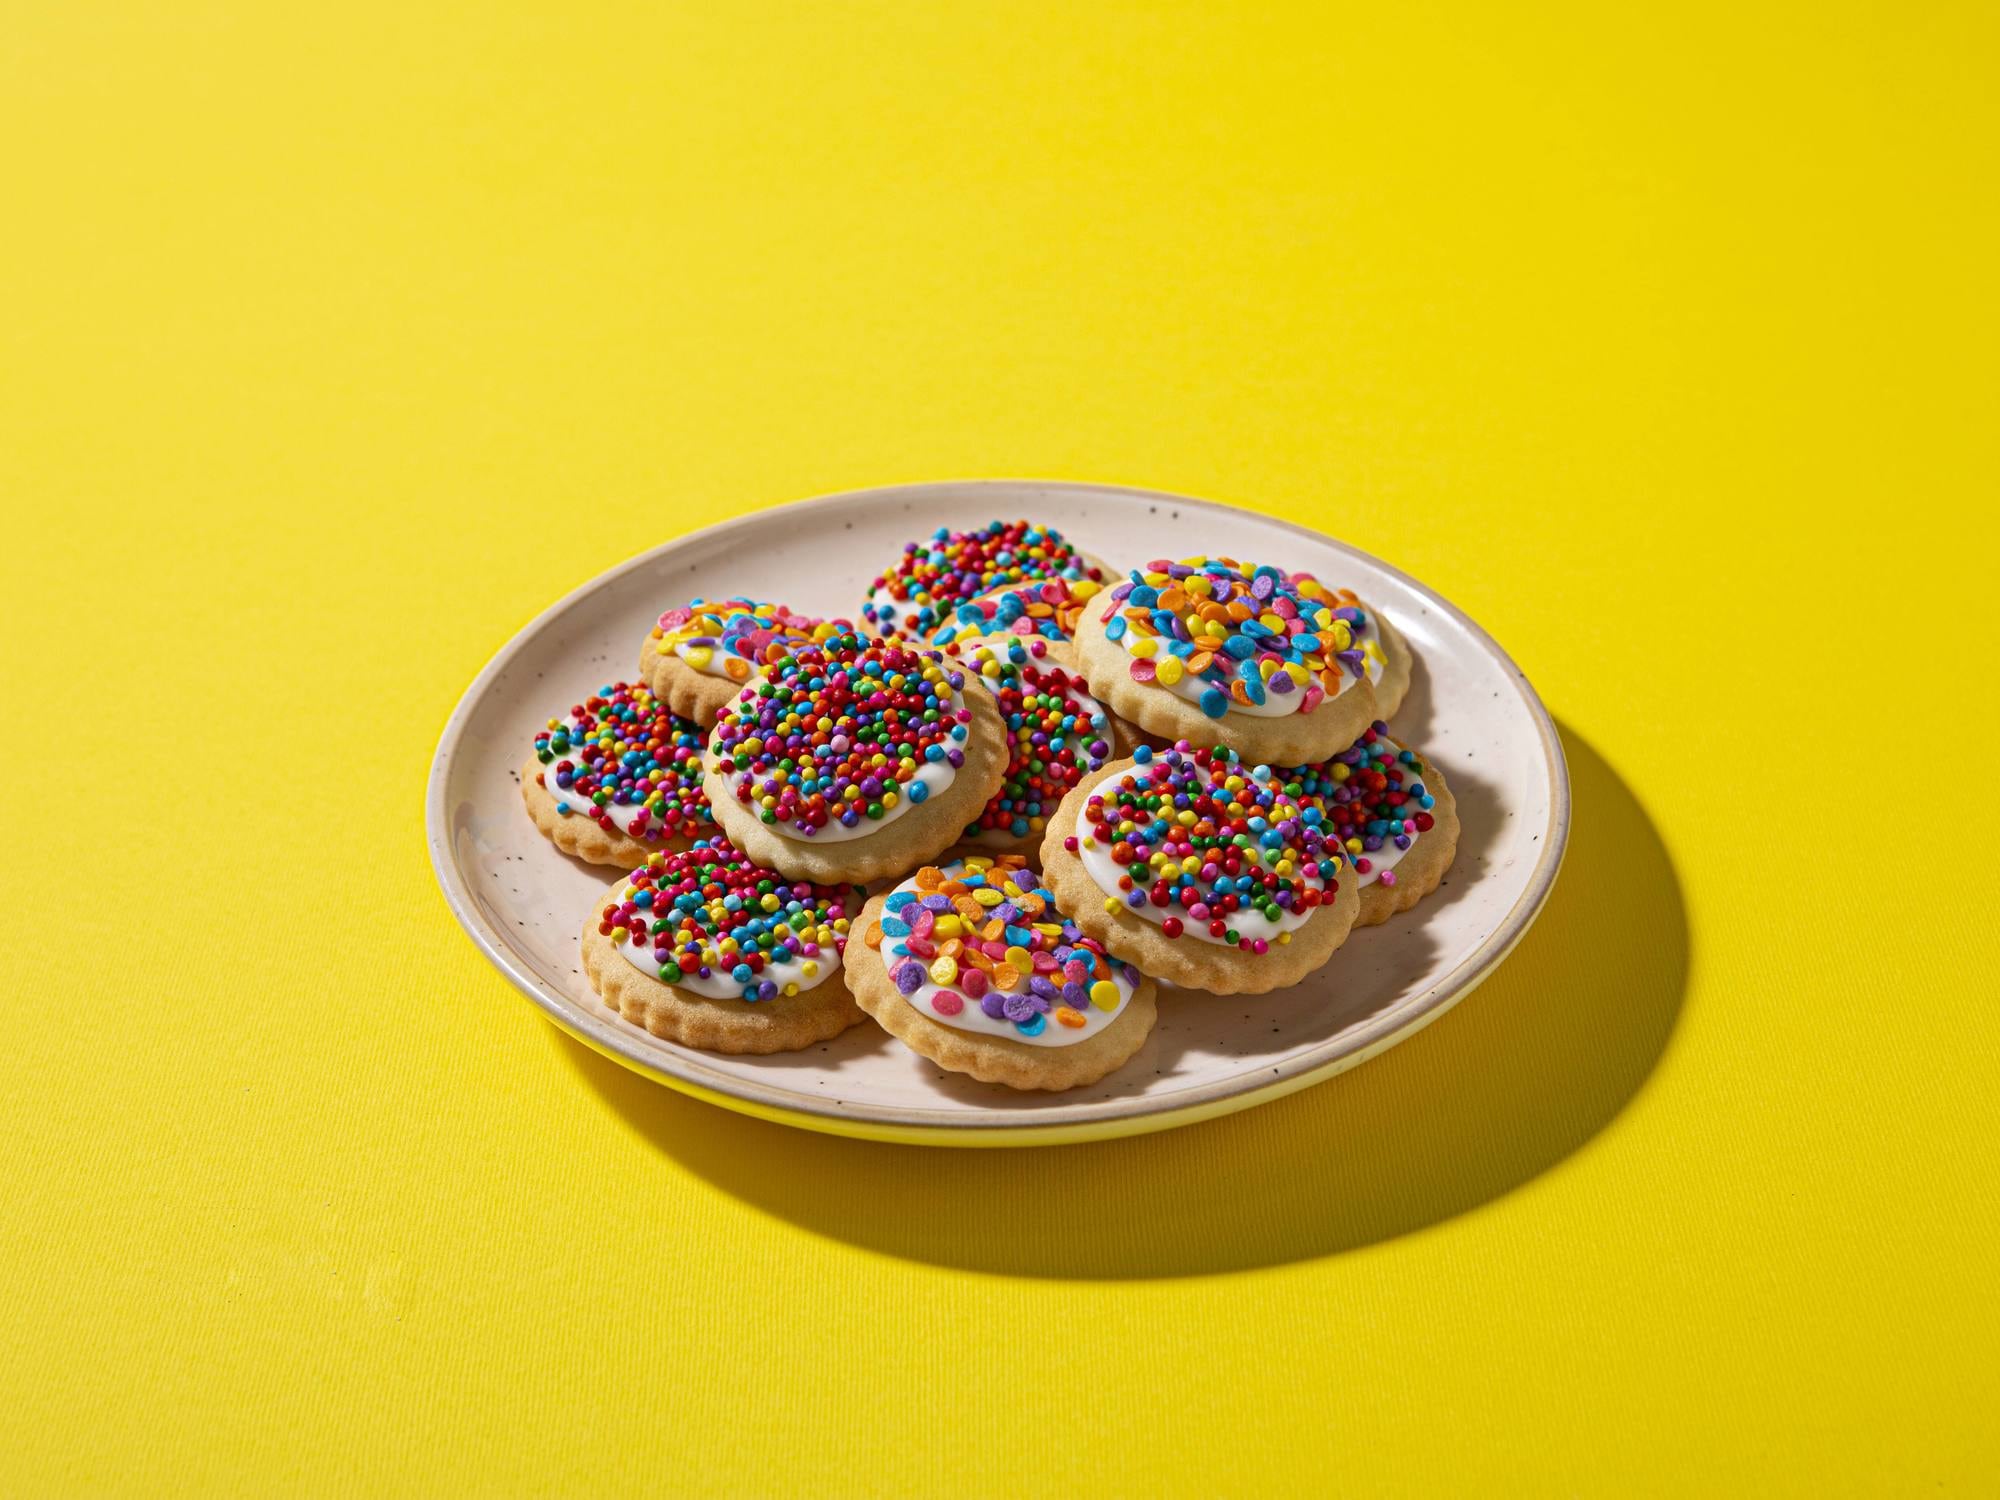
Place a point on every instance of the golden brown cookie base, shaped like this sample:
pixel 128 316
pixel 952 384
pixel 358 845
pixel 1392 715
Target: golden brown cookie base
pixel 582 835
pixel 1284 740
pixel 1419 871
pixel 690 693
pixel 1397 663
pixel 993 1059
pixel 915 838
pixel 784 1023
pixel 1190 962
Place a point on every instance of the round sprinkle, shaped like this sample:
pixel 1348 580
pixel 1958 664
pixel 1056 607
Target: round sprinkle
pixel 1200 838
pixel 623 760
pixel 842 733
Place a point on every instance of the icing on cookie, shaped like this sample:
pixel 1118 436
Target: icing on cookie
pixel 1234 638
pixel 931 577
pixel 843 738
pixel 1375 802
pixel 1198 843
pixel 979 946
pixel 735 638
pixel 621 759
pixel 1056 733
pixel 709 920
pixel 1045 611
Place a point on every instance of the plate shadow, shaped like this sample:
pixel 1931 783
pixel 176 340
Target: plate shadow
pixel 1520 1075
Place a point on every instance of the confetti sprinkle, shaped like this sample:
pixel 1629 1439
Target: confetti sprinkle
pixel 1242 637
pixel 735 638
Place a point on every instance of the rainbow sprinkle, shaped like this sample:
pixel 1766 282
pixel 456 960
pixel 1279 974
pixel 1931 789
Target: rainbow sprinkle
pixel 1056 733
pixel 708 913
pixel 628 763
pixel 1227 634
pixel 917 595
pixel 986 934
pixel 1372 795
pixel 843 732
pixel 1046 611
pixel 1203 844
pixel 735 638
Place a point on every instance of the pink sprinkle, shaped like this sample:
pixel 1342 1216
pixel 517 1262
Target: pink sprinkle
pixel 972 981
pixel 945 1003
pixel 1142 669
pixel 1388 876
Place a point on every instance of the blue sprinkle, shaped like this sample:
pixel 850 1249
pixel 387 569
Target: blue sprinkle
pixel 1114 629
pixel 900 899
pixel 895 927
pixel 1035 1025
pixel 1214 702
pixel 919 790
pixel 1240 647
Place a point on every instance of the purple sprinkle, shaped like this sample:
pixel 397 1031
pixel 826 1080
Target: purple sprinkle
pixel 1041 985
pixel 909 977
pixel 939 904
pixel 994 1003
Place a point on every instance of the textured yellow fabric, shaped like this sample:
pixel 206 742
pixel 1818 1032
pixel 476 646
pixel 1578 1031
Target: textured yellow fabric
pixel 338 340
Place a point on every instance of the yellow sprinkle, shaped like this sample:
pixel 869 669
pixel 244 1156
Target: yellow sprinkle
pixel 1104 995
pixel 986 895
pixel 948 927
pixel 1021 959
pixel 1141 645
pixel 944 971
pixel 699 656
pixel 1169 670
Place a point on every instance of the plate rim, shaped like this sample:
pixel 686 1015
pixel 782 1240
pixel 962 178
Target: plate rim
pixel 1058 1124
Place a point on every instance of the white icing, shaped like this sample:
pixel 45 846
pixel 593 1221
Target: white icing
pixel 807 972
pixel 1248 922
pixel 971 1017
pixel 1275 705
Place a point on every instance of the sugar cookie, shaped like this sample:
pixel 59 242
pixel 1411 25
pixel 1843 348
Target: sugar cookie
pixel 704 948
pixel 1274 665
pixel 854 760
pixel 1203 871
pixel 1392 812
pixel 972 966
pixel 618 777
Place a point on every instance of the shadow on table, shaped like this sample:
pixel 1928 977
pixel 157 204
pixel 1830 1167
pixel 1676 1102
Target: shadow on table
pixel 1526 1071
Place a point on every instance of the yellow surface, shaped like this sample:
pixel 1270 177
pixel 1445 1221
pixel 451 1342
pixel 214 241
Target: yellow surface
pixel 339 340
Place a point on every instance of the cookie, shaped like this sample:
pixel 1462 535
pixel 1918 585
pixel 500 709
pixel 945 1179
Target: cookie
pixel 705 948
pixel 1056 735
pixel 1274 665
pixel 699 656
pixel 854 760
pixel 617 778
pixel 1392 812
pixel 973 967
pixel 927 583
pixel 1204 871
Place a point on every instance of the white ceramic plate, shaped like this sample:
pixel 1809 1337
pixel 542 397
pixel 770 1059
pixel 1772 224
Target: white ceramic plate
pixel 1469 708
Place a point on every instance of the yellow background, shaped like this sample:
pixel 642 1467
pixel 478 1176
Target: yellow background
pixel 338 340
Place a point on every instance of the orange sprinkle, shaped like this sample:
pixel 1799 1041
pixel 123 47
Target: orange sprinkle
pixel 1067 1017
pixel 873 936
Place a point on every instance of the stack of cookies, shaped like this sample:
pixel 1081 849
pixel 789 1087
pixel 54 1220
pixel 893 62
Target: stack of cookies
pixel 998 811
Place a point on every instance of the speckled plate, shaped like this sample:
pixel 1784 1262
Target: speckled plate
pixel 1469 708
